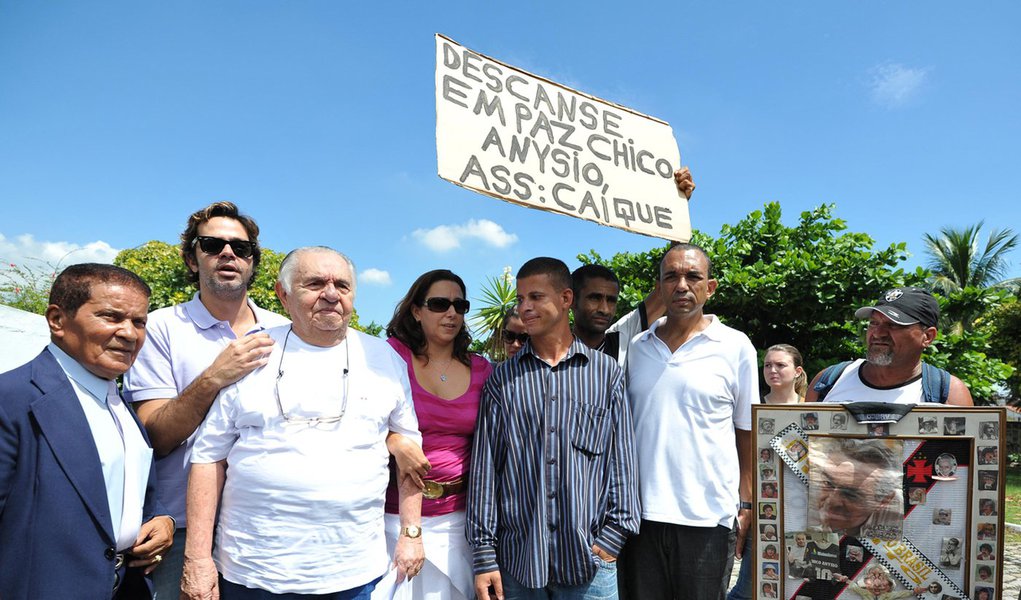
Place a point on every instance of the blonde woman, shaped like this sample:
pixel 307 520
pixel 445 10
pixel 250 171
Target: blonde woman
pixel 784 372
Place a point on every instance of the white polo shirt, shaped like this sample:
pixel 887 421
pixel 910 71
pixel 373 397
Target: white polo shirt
pixel 181 342
pixel 686 406
pixel 302 506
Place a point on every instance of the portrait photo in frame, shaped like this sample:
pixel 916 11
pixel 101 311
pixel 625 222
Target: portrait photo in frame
pixel 919 500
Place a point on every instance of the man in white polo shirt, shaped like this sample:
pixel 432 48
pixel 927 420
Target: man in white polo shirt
pixel 691 383
pixel 193 350
pixel 293 457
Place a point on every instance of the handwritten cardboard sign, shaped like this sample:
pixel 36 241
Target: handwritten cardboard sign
pixel 506 133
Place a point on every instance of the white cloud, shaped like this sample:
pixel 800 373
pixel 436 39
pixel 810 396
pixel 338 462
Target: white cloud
pixel 375 276
pixel 25 250
pixel 893 85
pixel 444 238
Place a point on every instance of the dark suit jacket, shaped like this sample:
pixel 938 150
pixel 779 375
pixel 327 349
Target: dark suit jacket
pixel 56 533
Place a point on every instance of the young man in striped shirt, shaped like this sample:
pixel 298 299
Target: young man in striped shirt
pixel 553 493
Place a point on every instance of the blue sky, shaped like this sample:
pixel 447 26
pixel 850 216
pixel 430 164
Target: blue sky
pixel 118 119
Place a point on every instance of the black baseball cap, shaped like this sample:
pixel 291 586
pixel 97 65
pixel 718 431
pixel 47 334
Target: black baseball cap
pixel 905 306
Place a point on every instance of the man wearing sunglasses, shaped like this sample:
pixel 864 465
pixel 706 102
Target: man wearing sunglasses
pixel 193 350
pixel 294 456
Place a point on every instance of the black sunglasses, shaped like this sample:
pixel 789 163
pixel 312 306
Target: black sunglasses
pixel 441 305
pixel 509 337
pixel 214 245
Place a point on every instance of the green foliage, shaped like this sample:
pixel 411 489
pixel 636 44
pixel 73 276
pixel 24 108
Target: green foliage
pixel 956 262
pixel 161 266
pixel 780 284
pixel 800 285
pixel 636 272
pixel 966 355
pixel 1005 342
pixel 27 287
pixel 498 296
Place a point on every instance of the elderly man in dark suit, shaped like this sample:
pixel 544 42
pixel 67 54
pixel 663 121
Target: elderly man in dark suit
pixel 78 515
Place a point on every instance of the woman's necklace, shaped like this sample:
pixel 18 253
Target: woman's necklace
pixel 443 371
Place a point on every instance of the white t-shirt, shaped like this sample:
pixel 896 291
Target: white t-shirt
pixel 686 406
pixel 181 341
pixel 850 387
pixel 302 506
pixel 628 327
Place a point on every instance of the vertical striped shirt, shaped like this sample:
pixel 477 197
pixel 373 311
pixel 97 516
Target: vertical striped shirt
pixel 553 468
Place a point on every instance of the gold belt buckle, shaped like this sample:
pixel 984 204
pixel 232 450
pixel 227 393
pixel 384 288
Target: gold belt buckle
pixel 433 490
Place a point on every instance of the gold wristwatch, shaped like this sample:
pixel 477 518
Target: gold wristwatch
pixel 412 531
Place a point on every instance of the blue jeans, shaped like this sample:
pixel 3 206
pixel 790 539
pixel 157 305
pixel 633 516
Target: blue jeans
pixel 743 588
pixel 233 591
pixel 602 587
pixel 166 579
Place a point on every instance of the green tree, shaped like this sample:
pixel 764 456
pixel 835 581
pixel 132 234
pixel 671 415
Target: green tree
pixel 970 353
pixel 498 296
pixel 161 266
pixel 786 284
pixel 1005 342
pixel 956 263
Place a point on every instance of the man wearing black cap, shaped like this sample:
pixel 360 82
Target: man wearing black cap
pixel 901 325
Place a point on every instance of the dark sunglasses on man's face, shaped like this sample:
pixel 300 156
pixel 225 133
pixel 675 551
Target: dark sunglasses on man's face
pixel 509 337
pixel 214 245
pixel 441 305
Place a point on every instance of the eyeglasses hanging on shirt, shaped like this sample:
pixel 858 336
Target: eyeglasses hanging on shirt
pixel 311 421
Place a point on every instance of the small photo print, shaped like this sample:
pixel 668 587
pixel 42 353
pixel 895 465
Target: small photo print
pixel 927 425
pixel 766 455
pixel 771 571
pixel 769 489
pixel 987 507
pixel 767 533
pixel 989 430
pixel 941 516
pixel 987 531
pixel 771 552
pixel 935 588
pixel 797 545
pixel 985 552
pixel 916 496
pixel 767 426
pixel 987 480
pixel 953 425
pixel 797 450
pixel 769 590
pixel 950 553
pixel 838 421
pixel 984 574
pixel 767 511
pixel 767 472
pixel 987 455
pixel 855 554
pixel 878 429
pixel 983 592
pixel 810 421
pixel 945 466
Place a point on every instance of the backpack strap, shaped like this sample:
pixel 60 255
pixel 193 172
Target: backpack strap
pixel 935 384
pixel 829 377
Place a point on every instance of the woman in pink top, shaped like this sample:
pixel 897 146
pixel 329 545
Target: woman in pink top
pixel 429 332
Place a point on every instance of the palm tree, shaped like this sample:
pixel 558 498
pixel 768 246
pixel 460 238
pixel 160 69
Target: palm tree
pixel 498 296
pixel 956 263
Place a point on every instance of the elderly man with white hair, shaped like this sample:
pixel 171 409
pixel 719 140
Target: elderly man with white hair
pixel 294 455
